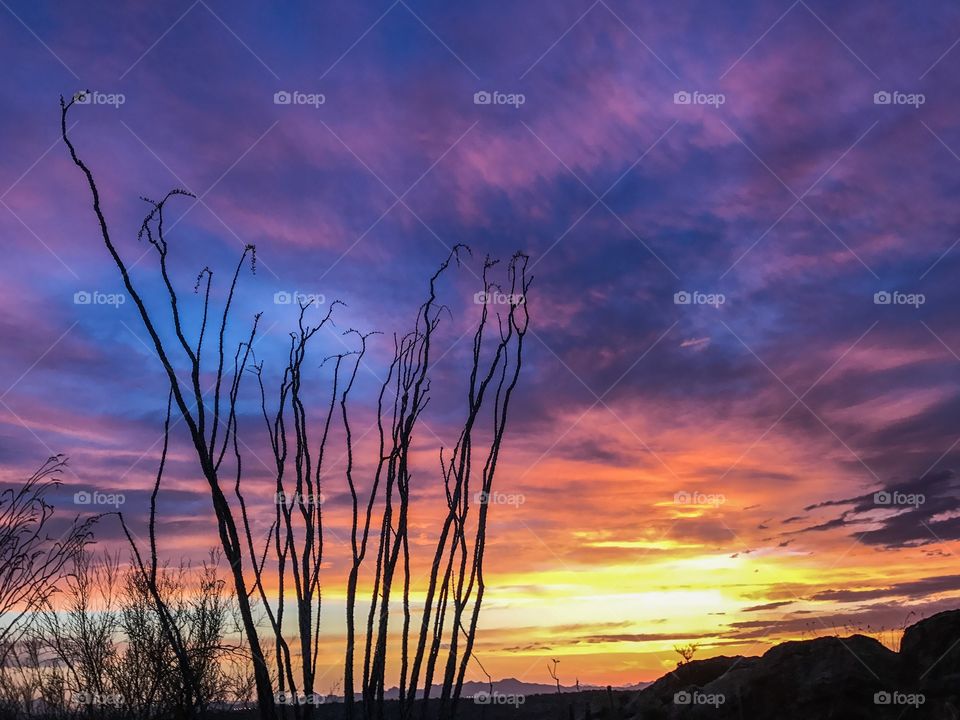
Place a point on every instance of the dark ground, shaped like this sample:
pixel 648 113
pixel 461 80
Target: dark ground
pixel 534 707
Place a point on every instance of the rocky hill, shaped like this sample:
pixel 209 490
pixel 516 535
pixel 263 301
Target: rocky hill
pixel 829 678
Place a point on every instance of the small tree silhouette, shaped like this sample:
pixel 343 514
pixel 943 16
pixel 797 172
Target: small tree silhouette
pixel 32 563
pixel 686 652
pixel 552 669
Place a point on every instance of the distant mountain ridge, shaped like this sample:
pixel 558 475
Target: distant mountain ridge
pixel 513 686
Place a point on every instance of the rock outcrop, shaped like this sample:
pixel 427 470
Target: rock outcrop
pixel 829 678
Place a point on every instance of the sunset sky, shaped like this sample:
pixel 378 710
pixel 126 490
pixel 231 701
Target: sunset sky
pixel 679 472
